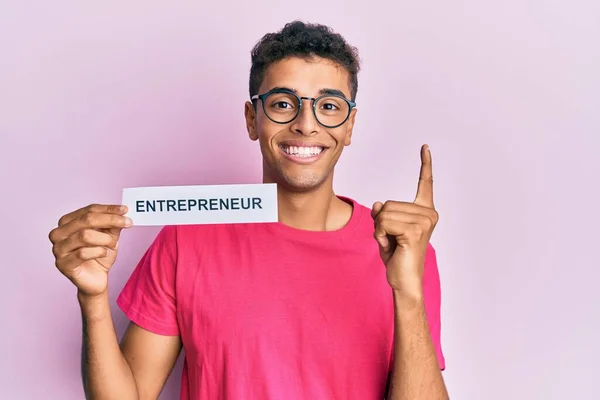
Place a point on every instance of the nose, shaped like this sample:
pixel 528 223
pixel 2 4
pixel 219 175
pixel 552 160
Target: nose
pixel 305 123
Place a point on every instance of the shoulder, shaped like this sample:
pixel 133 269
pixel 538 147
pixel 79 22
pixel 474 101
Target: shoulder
pixel 361 214
pixel 360 226
pixel 362 209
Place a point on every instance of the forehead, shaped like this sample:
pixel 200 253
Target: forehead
pixel 308 77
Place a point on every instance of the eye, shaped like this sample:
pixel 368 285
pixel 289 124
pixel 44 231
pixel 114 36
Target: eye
pixel 282 102
pixel 330 104
pixel 330 107
pixel 282 105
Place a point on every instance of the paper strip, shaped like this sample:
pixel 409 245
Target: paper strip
pixel 204 204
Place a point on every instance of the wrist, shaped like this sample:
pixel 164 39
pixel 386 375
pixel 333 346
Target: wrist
pixel 94 307
pixel 408 302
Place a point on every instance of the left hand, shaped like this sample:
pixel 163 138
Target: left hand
pixel 403 231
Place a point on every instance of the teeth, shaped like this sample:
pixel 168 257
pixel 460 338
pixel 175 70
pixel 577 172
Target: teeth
pixel 302 151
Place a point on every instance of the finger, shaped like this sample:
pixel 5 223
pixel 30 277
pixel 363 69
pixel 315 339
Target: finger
pixel 425 187
pixel 399 224
pixel 90 221
pixel 389 223
pixel 389 230
pixel 410 208
pixel 381 237
pixel 76 258
pixel 395 223
pixel 116 232
pixel 377 206
pixel 85 238
pixel 93 208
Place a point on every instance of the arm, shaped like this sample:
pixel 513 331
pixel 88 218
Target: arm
pixel 416 372
pixel 136 369
pixel 403 231
pixel 85 249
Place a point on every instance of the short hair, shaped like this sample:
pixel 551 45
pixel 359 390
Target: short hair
pixel 303 40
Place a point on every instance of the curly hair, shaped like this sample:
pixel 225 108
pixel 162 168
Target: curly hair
pixel 303 40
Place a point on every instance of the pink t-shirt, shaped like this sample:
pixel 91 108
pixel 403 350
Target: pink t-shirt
pixel 266 311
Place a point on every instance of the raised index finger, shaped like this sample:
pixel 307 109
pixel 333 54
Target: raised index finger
pixel 425 188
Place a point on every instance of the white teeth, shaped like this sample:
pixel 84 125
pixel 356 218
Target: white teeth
pixel 302 151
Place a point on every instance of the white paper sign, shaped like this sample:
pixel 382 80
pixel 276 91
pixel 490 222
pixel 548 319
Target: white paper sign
pixel 205 204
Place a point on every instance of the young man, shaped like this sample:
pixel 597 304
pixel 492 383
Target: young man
pixel 335 301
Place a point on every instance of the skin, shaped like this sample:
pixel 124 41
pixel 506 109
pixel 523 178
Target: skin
pixel 85 244
pixel 403 231
pixel 306 198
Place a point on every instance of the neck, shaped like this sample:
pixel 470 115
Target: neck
pixel 314 210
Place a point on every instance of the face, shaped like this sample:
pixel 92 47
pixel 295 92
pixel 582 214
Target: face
pixel 301 154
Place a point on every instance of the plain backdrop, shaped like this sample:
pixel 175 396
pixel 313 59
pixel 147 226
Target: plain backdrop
pixel 99 96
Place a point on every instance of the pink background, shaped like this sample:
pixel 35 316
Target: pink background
pixel 98 96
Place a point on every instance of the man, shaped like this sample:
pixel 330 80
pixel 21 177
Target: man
pixel 335 301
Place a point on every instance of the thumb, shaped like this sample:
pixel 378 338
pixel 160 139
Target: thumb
pixel 377 206
pixel 379 234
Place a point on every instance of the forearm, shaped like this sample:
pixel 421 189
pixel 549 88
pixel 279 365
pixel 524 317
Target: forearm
pixel 416 374
pixel 105 371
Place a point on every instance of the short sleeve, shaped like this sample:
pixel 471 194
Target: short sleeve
pixel 148 297
pixel 433 302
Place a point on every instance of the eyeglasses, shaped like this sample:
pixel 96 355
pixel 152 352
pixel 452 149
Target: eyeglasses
pixel 282 106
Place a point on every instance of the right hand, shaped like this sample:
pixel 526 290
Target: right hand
pixel 85 245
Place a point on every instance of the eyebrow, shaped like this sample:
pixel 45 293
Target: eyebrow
pixel 324 91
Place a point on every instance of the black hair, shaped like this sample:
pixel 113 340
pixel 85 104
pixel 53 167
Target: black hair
pixel 303 40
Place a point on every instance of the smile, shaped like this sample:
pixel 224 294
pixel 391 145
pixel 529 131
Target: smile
pixel 302 151
pixel 302 154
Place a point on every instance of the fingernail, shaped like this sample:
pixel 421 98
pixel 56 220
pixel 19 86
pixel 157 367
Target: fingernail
pixel 383 242
pixel 124 209
pixel 128 221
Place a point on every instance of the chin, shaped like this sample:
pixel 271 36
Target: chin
pixel 300 181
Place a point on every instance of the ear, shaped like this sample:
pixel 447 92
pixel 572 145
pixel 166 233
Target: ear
pixel 350 127
pixel 250 115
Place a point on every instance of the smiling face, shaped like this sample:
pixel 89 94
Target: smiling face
pixel 301 154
